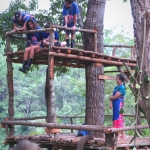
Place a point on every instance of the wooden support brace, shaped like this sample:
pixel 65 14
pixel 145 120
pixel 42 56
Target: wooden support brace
pixel 103 77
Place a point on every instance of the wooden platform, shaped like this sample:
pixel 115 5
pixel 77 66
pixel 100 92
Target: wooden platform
pixel 70 140
pixel 72 57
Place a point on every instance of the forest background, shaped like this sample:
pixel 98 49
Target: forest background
pixel 69 82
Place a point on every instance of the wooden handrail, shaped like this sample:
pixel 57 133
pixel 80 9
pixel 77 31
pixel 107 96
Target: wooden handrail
pixel 62 117
pixel 95 128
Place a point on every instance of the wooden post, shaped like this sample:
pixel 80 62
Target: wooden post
pixel 95 42
pixel 71 121
pixel 10 89
pixel 133 52
pixel 51 115
pixel 114 51
pixel 111 140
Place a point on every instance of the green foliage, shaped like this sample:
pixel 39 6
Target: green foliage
pixel 146 79
pixel 141 109
pixel 121 111
pixel 70 87
pixel 116 37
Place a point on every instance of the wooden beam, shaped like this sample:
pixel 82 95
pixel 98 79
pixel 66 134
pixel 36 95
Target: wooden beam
pixel 103 77
pixel 51 114
pixel 114 130
pixel 77 29
pixel 59 126
pixel 10 90
pixel 103 61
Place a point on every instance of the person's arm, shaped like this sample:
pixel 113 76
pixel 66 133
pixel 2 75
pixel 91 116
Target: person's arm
pixel 117 95
pixel 15 27
pixel 75 21
pixel 110 105
pixel 22 28
pixel 66 20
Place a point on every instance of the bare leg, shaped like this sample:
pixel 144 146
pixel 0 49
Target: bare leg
pixel 31 55
pixel 26 53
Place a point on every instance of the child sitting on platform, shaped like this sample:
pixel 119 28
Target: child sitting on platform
pixel 56 40
pixel 34 41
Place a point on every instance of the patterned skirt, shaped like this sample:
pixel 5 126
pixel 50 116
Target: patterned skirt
pixel 119 123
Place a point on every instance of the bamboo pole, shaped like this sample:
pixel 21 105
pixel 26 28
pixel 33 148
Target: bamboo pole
pixel 103 61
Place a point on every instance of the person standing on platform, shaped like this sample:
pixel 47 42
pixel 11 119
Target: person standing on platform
pixel 117 103
pixel 70 13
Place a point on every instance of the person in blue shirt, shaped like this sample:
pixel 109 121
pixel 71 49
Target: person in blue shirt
pixel 56 38
pixel 20 19
pixel 70 13
pixel 35 42
pixel 117 102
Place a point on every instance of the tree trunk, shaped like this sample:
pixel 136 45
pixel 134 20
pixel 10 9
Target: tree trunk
pixel 94 87
pixel 140 13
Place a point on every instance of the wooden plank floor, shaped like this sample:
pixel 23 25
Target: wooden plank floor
pixel 145 141
pixel 70 139
pixel 72 58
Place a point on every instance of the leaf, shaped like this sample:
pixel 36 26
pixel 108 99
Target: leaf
pixel 137 86
pixel 132 79
pixel 121 111
pixel 146 79
pixel 138 134
pixel 133 124
pixel 141 109
pixel 127 84
pixel 134 148
pixel 136 68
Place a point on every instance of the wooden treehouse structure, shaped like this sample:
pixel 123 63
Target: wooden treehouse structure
pixel 69 57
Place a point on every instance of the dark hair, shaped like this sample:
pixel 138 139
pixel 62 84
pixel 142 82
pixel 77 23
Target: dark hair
pixel 121 77
pixel 69 1
pixel 33 22
pixel 17 15
pixel 47 25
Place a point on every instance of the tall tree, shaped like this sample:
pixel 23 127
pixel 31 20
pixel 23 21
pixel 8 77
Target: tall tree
pixel 94 87
pixel 141 13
